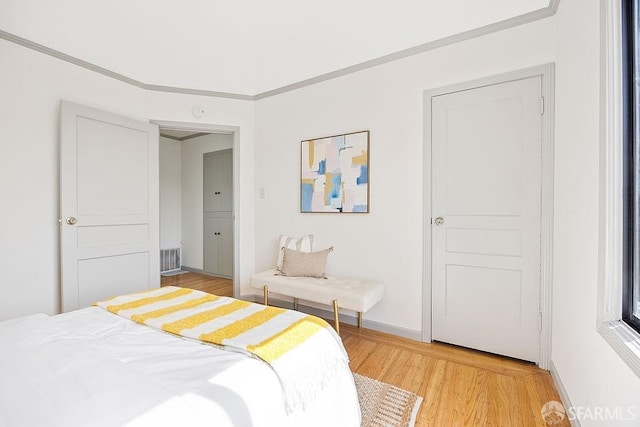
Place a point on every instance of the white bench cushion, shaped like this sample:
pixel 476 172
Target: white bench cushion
pixel 352 294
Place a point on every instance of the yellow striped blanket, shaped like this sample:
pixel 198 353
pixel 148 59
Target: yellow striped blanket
pixel 304 351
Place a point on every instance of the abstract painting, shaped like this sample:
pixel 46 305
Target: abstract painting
pixel 335 174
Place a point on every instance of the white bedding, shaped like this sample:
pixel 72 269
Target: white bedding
pixel 93 368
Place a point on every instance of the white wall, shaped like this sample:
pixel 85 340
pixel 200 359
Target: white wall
pixel 385 244
pixel 591 372
pixel 192 194
pixel 32 85
pixel 170 193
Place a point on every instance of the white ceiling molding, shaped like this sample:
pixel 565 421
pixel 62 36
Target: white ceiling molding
pixel 456 38
pixel 181 135
pixel 84 64
pixel 532 16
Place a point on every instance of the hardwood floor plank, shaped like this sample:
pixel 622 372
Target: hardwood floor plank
pixel 201 282
pixel 434 394
pixel 460 387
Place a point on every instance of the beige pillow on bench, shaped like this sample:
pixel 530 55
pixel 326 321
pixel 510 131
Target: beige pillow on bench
pixel 304 244
pixel 304 264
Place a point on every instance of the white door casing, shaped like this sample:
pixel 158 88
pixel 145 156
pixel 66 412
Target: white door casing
pixel 236 215
pixel 109 185
pixel 486 186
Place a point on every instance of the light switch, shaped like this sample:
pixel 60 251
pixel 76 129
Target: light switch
pixel 263 193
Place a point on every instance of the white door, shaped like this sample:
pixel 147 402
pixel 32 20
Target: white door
pixel 486 173
pixel 109 208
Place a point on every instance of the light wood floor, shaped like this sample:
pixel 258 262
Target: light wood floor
pixel 210 284
pixel 460 387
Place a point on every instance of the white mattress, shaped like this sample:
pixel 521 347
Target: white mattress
pixel 93 368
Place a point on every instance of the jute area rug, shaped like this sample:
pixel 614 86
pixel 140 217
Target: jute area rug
pixel 384 405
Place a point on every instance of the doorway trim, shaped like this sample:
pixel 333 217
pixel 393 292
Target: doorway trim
pixel 547 73
pixel 229 130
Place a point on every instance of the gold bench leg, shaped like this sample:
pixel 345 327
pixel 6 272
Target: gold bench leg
pixel 266 295
pixel 295 304
pixel 359 319
pixel 335 315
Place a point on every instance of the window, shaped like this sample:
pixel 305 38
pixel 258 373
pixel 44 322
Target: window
pixel 620 182
pixel 631 162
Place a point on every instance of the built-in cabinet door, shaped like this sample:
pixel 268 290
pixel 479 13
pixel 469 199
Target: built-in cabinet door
pixel 225 246
pixel 218 178
pixel 218 244
pixel 218 213
pixel 211 243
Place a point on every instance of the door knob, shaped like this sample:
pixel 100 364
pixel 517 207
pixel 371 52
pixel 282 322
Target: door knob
pixel 71 220
pixel 439 221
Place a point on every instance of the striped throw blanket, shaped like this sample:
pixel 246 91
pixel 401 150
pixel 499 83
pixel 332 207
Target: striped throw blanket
pixel 304 351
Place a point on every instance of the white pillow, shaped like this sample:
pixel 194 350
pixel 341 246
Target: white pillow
pixel 302 244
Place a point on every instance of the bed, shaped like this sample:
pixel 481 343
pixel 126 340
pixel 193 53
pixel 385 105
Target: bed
pixel 93 367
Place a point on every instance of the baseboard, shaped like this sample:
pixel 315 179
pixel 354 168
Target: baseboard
pixel 344 318
pixel 204 273
pixel 566 402
pixel 193 270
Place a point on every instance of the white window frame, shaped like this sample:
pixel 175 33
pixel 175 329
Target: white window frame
pixel 622 338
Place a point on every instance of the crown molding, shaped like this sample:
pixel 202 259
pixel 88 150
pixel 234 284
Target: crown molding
pixel 96 68
pixel 445 41
pixel 435 44
pixel 184 138
pixel 199 92
pixel 67 58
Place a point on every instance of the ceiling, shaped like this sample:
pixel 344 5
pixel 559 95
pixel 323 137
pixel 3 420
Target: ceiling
pixel 244 47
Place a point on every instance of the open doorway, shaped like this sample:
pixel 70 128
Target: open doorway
pixel 185 217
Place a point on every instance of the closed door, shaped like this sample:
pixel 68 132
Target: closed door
pixel 218 181
pixel 211 246
pixel 486 174
pixel 109 208
pixel 225 240
pixel 218 244
pixel 218 215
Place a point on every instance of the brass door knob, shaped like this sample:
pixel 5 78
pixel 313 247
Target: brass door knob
pixel 71 220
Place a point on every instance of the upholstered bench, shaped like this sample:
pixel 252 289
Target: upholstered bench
pixel 350 294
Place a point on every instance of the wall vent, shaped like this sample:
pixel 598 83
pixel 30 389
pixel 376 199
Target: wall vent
pixel 169 259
